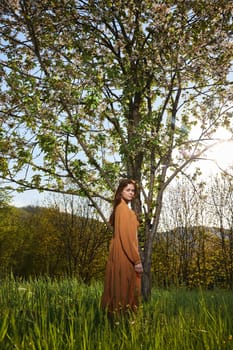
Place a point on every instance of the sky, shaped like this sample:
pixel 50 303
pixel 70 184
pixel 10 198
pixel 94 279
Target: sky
pixel 28 198
pixel 220 157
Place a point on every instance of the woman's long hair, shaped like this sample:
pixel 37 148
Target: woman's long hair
pixel 117 199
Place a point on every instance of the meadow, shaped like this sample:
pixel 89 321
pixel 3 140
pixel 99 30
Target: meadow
pixel 66 315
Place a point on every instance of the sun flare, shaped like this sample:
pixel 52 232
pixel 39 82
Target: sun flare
pixel 222 152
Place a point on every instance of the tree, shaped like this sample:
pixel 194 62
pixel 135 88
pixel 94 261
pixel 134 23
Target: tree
pixel 193 246
pixel 81 235
pixel 222 204
pixel 5 196
pixel 109 89
pixel 14 240
pixel 37 241
pixel 182 220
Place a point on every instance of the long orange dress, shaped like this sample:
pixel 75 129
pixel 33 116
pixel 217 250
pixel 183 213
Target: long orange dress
pixel 122 285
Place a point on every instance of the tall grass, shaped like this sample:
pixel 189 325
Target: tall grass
pixel 65 315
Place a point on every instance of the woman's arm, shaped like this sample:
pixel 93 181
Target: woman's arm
pixel 126 227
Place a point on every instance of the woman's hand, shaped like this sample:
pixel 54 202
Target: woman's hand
pixel 138 268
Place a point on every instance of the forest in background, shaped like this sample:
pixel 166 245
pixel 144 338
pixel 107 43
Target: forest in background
pixel 65 238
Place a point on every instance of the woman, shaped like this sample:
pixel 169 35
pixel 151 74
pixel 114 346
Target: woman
pixel 122 285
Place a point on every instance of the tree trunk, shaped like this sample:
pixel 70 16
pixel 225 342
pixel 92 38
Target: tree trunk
pixel 150 232
pixel 146 277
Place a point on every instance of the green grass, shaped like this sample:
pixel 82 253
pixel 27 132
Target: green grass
pixel 52 315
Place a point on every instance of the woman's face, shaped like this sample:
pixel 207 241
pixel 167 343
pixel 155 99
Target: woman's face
pixel 128 192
